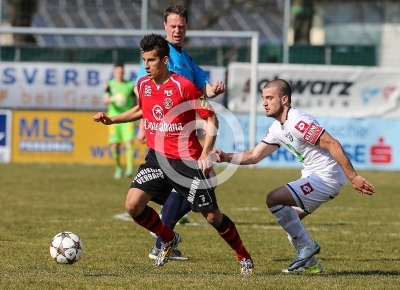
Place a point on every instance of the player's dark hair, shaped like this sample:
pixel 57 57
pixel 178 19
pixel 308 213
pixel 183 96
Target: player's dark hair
pixel 119 64
pixel 283 87
pixel 155 42
pixel 176 9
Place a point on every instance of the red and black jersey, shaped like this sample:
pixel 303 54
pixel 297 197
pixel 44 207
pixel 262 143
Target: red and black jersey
pixel 169 116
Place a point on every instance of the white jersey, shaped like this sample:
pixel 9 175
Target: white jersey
pixel 299 134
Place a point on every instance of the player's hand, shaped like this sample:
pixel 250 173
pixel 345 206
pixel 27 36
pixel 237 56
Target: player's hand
pixel 218 87
pixel 205 163
pixel 141 136
pixel 362 185
pixel 101 117
pixel 221 155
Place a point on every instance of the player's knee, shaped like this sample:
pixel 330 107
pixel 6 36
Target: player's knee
pixel 132 208
pixel 270 198
pixel 213 217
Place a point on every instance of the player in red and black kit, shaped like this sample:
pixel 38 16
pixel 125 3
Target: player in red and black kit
pixel 168 104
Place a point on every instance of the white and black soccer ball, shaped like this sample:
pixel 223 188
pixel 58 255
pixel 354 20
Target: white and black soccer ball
pixel 66 248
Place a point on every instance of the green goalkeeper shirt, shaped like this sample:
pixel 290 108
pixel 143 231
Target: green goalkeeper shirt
pixel 123 96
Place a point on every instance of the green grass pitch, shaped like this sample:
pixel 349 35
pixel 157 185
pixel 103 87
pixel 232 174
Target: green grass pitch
pixel 359 235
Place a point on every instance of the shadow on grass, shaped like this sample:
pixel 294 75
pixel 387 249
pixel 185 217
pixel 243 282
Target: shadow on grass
pixel 101 275
pixel 257 223
pixel 361 259
pixel 363 273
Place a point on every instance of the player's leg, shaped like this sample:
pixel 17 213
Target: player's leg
pixel 174 208
pixel 312 266
pixel 307 194
pixel 151 179
pixel 147 217
pixel 128 135
pixel 114 139
pixel 189 182
pixel 280 202
pixel 227 230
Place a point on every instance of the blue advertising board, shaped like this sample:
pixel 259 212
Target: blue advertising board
pixel 371 144
pixel 5 136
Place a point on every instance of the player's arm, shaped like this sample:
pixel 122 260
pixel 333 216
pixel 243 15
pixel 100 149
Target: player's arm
pixel 359 183
pixel 131 115
pixel 201 81
pixel 252 156
pixel 206 112
pixel 107 98
pixel 205 161
pixel 211 91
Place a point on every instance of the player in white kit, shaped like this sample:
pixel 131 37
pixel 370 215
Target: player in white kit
pixel 326 166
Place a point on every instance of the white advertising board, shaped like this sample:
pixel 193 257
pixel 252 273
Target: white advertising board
pixel 326 91
pixel 64 86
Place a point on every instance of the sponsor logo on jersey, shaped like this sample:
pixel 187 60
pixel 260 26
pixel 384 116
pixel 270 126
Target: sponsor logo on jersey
pixel 168 103
pixel 162 126
pixel 306 188
pixel 301 126
pixel 312 133
pixel 158 112
pixel 168 93
pixel 147 91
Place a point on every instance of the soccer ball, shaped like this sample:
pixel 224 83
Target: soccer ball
pixel 66 248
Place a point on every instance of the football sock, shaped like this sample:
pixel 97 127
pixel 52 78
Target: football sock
pixel 227 230
pixel 312 261
pixel 150 220
pixel 115 157
pixel 129 157
pixel 172 211
pixel 185 209
pixel 287 217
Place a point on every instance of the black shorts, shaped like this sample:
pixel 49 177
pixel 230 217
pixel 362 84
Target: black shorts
pixel 159 175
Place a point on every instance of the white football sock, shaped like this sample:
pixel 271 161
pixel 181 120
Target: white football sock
pixel 287 217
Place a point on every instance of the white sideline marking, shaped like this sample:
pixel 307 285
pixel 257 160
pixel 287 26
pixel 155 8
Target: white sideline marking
pixel 250 209
pixel 123 217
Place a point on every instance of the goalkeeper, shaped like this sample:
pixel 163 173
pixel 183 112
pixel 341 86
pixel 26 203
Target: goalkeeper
pixel 119 96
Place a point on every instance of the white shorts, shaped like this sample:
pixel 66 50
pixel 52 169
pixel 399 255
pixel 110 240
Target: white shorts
pixel 312 191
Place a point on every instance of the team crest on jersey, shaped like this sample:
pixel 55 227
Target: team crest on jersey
pixel 158 112
pixel 147 91
pixel 306 188
pixel 168 93
pixel 301 126
pixel 168 103
pixel 289 136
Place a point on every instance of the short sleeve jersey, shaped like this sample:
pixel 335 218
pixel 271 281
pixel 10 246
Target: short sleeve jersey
pixel 123 94
pixel 181 63
pixel 169 116
pixel 299 134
